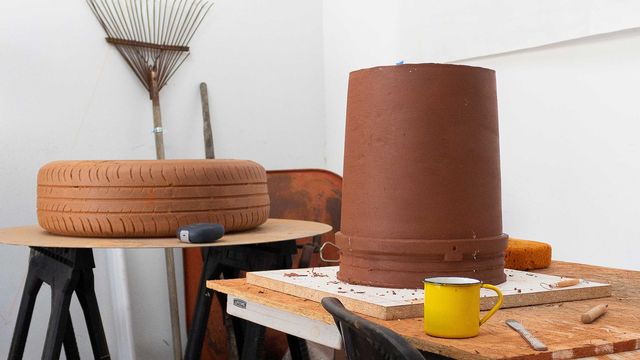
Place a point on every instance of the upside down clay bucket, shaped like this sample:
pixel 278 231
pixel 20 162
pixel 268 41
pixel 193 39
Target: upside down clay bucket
pixel 421 188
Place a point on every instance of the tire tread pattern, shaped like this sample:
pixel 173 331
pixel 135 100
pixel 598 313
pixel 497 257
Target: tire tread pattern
pixel 150 198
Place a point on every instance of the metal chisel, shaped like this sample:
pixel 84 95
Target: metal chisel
pixel 535 343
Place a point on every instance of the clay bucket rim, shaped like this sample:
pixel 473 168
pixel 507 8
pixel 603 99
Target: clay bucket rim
pixel 424 65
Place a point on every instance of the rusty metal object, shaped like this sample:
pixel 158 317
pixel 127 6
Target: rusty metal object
pixel 306 194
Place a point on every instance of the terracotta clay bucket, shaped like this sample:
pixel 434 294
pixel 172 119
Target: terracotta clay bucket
pixel 421 182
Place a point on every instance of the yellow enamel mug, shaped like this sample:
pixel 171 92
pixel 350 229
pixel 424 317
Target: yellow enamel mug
pixel 452 306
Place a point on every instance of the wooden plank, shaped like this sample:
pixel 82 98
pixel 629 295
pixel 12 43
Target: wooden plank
pixel 273 230
pixel 521 289
pixel 314 284
pixel 627 355
pixel 317 331
pixel 557 325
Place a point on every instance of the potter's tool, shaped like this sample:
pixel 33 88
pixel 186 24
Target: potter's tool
pixel 200 233
pixel 153 38
pixel 561 284
pixel 591 315
pixel 535 343
pixel 565 283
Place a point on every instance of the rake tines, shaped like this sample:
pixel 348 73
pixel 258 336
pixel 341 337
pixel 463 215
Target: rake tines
pixel 151 35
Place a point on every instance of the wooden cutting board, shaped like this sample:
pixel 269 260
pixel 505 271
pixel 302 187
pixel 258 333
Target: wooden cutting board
pixel 521 289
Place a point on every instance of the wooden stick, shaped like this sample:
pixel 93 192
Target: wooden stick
pixel 232 347
pixel 206 123
pixel 169 260
pixel 158 130
pixel 173 303
pixel 565 283
pixel 591 315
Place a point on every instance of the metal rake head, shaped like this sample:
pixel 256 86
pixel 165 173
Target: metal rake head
pixel 151 35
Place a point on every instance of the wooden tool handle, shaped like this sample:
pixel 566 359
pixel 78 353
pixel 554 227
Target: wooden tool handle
pixel 206 122
pixel 566 283
pixel 591 315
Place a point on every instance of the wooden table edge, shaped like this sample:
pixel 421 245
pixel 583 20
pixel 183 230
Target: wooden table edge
pixel 274 230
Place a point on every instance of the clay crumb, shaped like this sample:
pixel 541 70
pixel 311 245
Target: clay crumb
pixel 317 274
pixel 292 274
pixel 260 292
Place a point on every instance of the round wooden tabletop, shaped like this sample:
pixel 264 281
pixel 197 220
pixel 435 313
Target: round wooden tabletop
pixel 273 230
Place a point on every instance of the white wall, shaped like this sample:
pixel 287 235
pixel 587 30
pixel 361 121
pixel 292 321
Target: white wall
pixel 66 94
pixel 352 40
pixel 568 112
pixel 440 31
pixel 569 125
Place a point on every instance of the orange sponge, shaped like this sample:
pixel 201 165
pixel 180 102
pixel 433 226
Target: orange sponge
pixel 527 255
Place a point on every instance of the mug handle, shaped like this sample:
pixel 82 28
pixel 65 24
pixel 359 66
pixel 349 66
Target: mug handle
pixel 496 306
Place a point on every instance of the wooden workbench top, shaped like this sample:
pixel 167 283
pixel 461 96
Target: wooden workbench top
pixel 557 325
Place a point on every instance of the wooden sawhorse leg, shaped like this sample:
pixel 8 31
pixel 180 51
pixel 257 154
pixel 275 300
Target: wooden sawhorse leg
pixel 66 271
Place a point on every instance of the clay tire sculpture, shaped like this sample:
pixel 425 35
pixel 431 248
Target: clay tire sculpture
pixel 138 198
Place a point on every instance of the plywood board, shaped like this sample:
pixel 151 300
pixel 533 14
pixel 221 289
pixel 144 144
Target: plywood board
pixel 521 289
pixel 323 333
pixel 273 230
pixel 557 325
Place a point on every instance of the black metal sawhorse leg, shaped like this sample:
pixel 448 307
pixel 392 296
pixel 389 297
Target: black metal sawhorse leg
pixel 228 262
pixel 66 271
